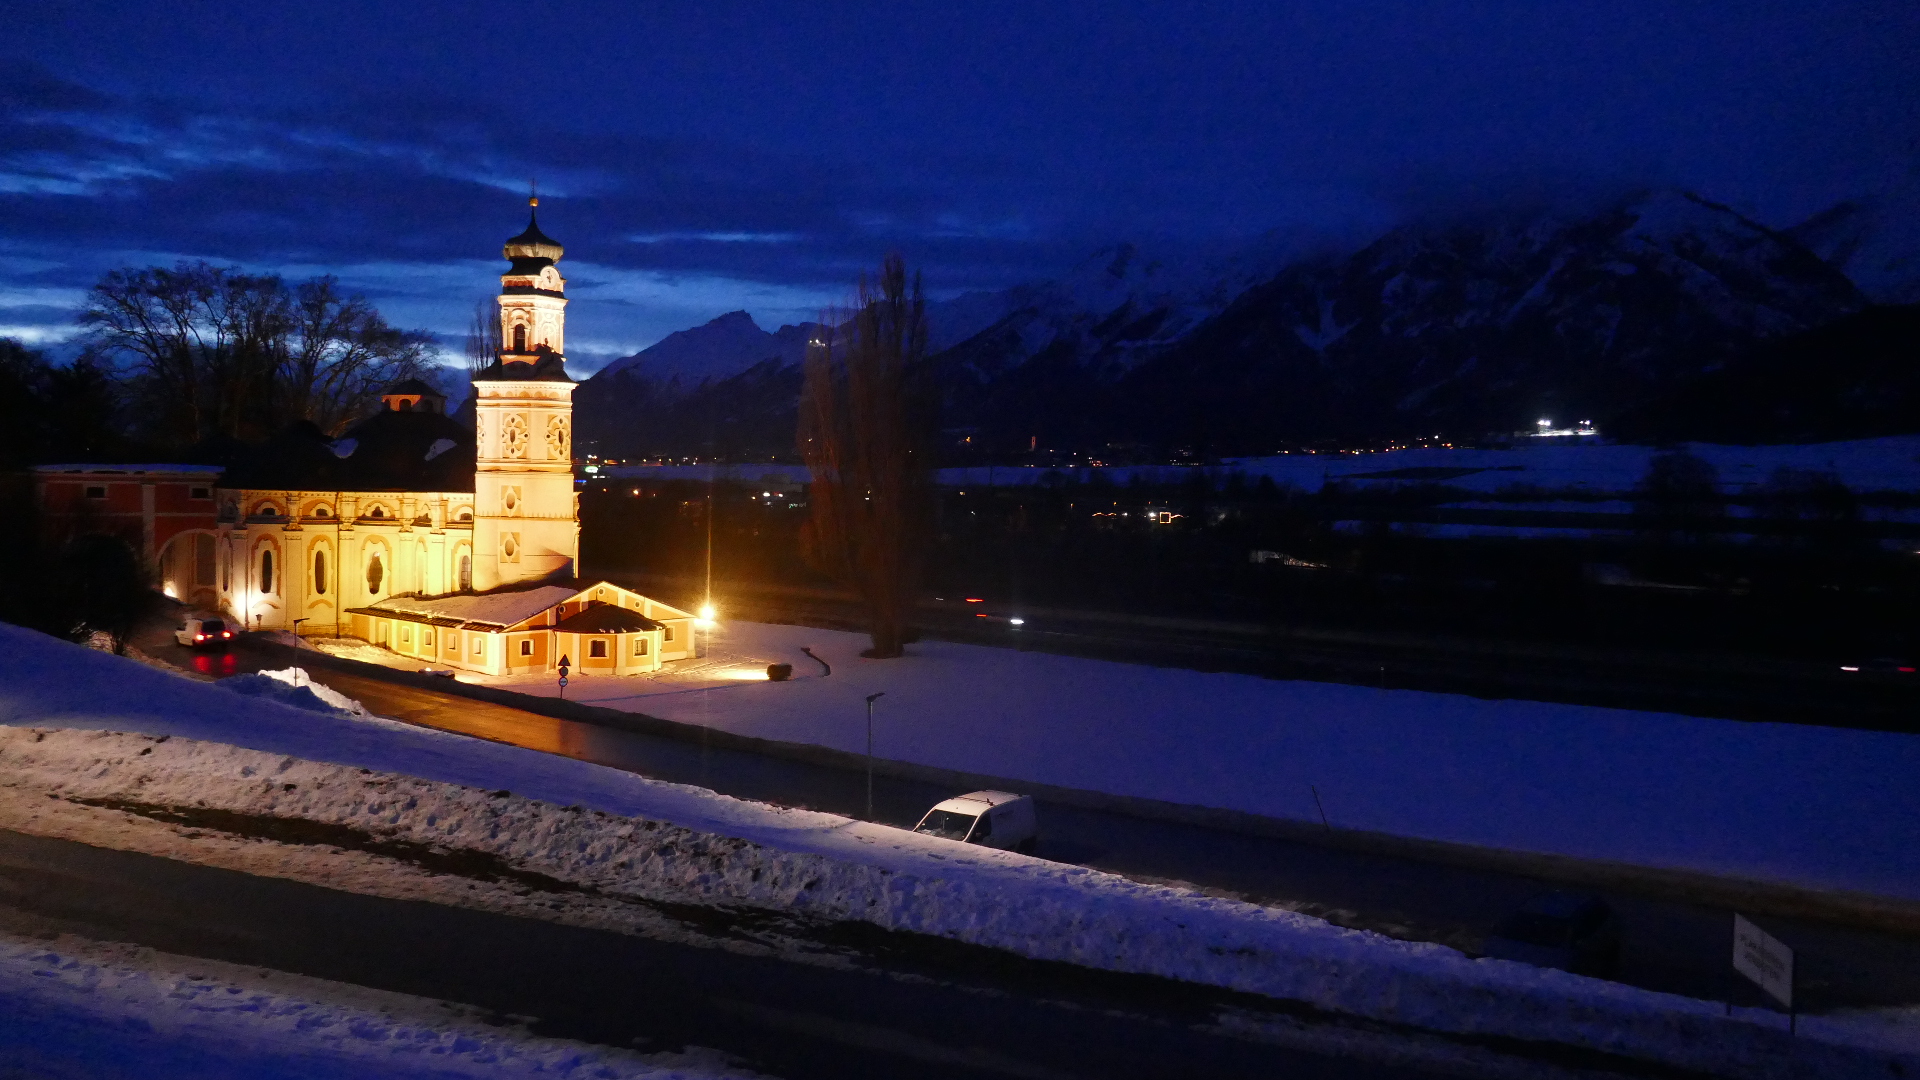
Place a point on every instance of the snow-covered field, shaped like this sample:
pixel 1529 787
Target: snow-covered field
pixel 80 1008
pixel 655 841
pixel 1817 807
pixel 1888 464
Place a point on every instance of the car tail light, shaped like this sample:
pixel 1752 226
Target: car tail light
pixel 1908 670
pixel 226 633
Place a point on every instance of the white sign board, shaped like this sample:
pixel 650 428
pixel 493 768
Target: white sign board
pixel 1760 957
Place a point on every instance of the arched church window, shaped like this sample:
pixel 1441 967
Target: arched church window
pixel 266 570
pixel 376 512
pixel 320 572
pixel 376 573
pixel 466 573
pixel 466 515
pixel 519 339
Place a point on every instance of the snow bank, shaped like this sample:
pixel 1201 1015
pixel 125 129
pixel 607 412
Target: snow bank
pixel 829 869
pixel 293 686
pixel 85 1008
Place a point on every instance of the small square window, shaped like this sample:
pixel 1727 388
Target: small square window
pixel 597 647
pixel 526 647
pixel 406 634
pixel 666 634
pixel 479 646
pixel 98 492
pixel 639 646
pixel 200 493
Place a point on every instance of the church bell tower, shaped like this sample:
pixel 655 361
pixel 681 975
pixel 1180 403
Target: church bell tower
pixel 526 524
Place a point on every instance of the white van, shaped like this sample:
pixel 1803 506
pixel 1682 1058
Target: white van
pixel 995 819
pixel 204 632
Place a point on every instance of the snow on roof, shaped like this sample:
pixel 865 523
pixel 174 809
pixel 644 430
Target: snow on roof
pixel 498 608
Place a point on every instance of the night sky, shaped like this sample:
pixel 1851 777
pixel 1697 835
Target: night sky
pixel 698 158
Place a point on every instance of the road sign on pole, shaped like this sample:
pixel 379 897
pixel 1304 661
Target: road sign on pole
pixel 1761 957
pixel 564 665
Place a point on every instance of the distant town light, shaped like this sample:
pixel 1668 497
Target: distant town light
pixel 1018 622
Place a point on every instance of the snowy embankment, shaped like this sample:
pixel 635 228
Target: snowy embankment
pixel 820 869
pixel 1810 807
pixel 655 843
pixel 85 1008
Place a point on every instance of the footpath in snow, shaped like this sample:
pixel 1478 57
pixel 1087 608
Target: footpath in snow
pixel 1820 808
pixel 616 835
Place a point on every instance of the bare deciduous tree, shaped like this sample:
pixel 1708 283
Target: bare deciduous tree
pixel 341 354
pixel 214 351
pixel 483 336
pixel 861 422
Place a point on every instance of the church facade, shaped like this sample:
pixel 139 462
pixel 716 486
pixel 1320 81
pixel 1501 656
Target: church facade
pixel 417 534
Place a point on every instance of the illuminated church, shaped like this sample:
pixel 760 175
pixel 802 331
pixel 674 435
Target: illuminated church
pixel 458 548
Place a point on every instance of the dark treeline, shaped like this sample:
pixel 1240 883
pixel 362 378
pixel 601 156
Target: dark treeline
pixel 1794 567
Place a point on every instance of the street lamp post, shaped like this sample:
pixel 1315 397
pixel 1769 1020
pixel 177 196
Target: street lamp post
pixel 296 649
pixel 871 698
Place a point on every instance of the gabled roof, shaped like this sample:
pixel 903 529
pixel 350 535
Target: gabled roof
pixel 499 609
pixel 602 618
pixel 660 610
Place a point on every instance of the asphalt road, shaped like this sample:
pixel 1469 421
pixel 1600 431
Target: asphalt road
pixel 792 1020
pixel 1668 946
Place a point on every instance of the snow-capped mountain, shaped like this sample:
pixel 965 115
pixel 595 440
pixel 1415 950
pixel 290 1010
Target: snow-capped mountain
pixel 1454 327
pixel 1458 327
pixel 1875 240
pixel 1118 306
pixel 719 349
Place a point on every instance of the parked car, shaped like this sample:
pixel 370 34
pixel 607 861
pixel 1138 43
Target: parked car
pixel 1888 664
pixel 204 632
pixel 995 819
pixel 1572 931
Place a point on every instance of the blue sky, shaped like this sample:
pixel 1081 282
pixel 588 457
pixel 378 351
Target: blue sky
pixel 699 158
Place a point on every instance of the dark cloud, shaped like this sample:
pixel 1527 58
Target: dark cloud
pixel 705 159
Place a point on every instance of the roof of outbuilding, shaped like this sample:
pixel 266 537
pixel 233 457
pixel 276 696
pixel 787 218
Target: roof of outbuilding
pixel 492 608
pixel 602 618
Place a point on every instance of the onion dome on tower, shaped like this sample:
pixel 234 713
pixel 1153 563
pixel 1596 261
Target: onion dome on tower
pixel 533 301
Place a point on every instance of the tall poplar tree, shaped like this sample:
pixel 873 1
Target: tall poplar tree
pixel 863 420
